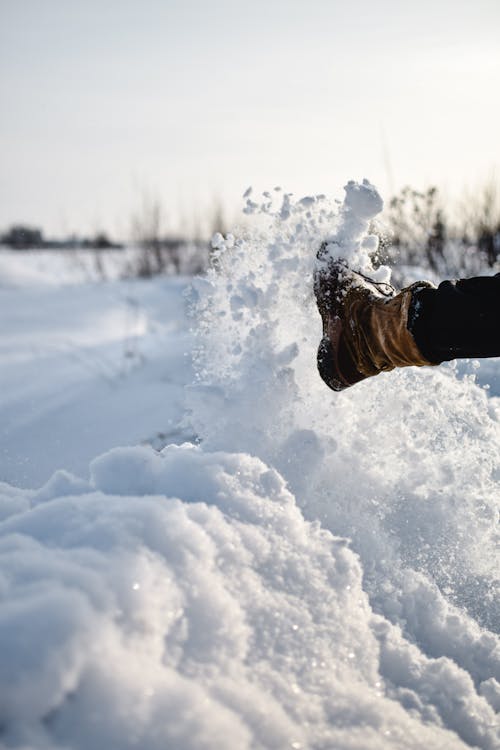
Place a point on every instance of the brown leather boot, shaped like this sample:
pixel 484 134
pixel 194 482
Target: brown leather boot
pixel 364 325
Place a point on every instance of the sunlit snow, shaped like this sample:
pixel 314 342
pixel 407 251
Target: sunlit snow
pixel 307 570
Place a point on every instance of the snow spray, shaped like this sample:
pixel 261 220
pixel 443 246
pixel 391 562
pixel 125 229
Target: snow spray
pixel 404 465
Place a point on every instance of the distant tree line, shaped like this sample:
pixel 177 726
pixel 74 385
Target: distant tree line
pixel 23 237
pixel 153 248
pixel 416 229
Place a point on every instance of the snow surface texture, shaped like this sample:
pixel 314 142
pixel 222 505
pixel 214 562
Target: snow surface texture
pixel 207 597
pixel 86 367
pixel 32 268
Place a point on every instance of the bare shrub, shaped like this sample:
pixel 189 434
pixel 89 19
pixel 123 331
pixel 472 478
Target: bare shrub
pixel 159 252
pixel 481 220
pixel 419 227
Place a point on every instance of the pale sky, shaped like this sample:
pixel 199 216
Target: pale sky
pixel 193 101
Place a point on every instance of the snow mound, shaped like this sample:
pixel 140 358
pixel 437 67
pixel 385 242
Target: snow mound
pixel 180 599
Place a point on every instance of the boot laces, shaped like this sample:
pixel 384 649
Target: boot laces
pixel 386 289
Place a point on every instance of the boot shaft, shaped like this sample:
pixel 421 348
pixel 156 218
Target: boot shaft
pixel 377 334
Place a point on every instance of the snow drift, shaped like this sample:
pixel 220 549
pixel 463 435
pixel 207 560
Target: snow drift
pixel 319 572
pixel 180 599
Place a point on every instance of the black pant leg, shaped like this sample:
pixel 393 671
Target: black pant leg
pixel 458 319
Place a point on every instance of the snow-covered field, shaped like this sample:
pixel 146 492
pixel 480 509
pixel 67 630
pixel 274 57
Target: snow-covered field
pixel 295 569
pixel 86 367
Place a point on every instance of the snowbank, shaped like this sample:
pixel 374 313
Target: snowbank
pixel 180 599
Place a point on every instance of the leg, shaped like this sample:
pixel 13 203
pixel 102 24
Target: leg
pixel 458 319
